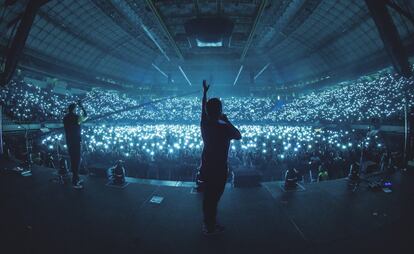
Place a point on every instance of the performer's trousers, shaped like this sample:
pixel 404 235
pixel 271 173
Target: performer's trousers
pixel 214 188
pixel 75 157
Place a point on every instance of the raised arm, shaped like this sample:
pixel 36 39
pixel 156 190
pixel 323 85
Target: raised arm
pixel 84 115
pixel 204 102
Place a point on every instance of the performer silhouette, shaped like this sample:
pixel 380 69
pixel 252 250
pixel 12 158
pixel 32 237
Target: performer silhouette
pixel 71 123
pixel 216 131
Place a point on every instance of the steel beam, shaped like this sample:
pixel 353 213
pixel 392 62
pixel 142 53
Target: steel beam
pixel 401 11
pixel 15 50
pixel 389 35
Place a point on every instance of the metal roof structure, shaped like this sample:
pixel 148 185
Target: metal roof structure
pixel 122 40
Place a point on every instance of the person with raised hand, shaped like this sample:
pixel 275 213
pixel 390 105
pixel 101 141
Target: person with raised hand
pixel 216 131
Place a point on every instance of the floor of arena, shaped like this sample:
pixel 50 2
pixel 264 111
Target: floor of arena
pixel 41 216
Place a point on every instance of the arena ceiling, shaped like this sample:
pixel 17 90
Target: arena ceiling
pixel 126 41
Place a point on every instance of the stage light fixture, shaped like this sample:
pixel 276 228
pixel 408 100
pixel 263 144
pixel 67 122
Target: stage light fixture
pixel 209 31
pixel 202 44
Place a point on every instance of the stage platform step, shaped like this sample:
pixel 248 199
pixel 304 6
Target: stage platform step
pixel 38 215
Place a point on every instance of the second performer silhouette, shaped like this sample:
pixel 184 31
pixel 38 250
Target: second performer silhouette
pixel 71 123
pixel 216 131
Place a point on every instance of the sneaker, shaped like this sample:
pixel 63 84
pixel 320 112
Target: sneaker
pixel 79 181
pixel 212 231
pixel 78 185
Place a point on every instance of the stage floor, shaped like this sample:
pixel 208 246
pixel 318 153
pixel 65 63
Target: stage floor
pixel 40 216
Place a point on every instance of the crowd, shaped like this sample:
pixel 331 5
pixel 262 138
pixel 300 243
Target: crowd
pixel 357 101
pixel 363 100
pixel 177 109
pixel 188 110
pixel 172 151
pixel 162 139
pixel 25 102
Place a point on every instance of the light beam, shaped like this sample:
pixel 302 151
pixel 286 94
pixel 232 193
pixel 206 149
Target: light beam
pixel 238 74
pixel 261 71
pixel 148 32
pixel 185 76
pixel 158 69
